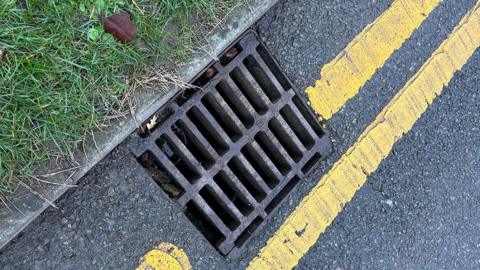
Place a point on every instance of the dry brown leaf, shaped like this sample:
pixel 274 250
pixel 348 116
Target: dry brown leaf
pixel 120 26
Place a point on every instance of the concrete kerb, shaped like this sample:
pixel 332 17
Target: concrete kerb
pixel 26 208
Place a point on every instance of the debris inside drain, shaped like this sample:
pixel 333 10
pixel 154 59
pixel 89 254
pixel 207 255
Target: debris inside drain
pixel 230 153
pixel 154 121
pixel 160 176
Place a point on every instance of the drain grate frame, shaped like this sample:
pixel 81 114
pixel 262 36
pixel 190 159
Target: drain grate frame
pixel 231 149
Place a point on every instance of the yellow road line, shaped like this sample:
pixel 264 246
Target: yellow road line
pixel 166 256
pixel 342 78
pixel 318 209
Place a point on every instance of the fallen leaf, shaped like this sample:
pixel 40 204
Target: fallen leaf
pixel 152 123
pixel 1 55
pixel 206 76
pixel 210 73
pixel 231 54
pixel 120 26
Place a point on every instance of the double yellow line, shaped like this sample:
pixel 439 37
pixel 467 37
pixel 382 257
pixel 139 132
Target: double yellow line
pixel 341 80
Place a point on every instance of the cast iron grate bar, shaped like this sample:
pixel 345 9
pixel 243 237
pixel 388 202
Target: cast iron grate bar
pixel 231 150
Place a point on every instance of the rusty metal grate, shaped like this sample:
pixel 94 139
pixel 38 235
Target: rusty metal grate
pixel 231 150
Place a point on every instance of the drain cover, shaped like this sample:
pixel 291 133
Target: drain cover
pixel 230 150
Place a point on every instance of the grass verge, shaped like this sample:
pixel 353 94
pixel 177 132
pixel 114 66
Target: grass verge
pixel 62 77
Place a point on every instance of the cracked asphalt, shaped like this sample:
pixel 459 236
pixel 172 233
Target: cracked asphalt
pixel 417 211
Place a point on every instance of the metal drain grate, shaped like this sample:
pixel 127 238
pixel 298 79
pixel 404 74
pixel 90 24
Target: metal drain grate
pixel 231 152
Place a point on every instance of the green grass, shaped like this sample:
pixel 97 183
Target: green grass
pixel 59 80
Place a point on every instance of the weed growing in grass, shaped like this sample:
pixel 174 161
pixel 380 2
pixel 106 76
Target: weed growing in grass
pixel 61 76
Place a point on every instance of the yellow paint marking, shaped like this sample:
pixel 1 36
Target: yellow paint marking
pixel 165 257
pixel 318 209
pixel 342 78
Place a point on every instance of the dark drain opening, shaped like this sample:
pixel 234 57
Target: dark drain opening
pixel 249 231
pixel 219 208
pixel 191 142
pixel 207 130
pixel 217 156
pixel 248 91
pixel 222 118
pixel 247 180
pixel 274 67
pixel 285 139
pixel 259 165
pixel 308 117
pixel 262 79
pixel 232 100
pixel 178 158
pixel 283 193
pixel 160 175
pixel 298 129
pixel 272 152
pixel 205 77
pixel 185 96
pixel 160 117
pixel 310 163
pixel 233 193
pixel 230 55
pixel 203 224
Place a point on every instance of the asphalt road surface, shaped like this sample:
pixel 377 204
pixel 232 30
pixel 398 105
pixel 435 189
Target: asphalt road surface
pixel 417 211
